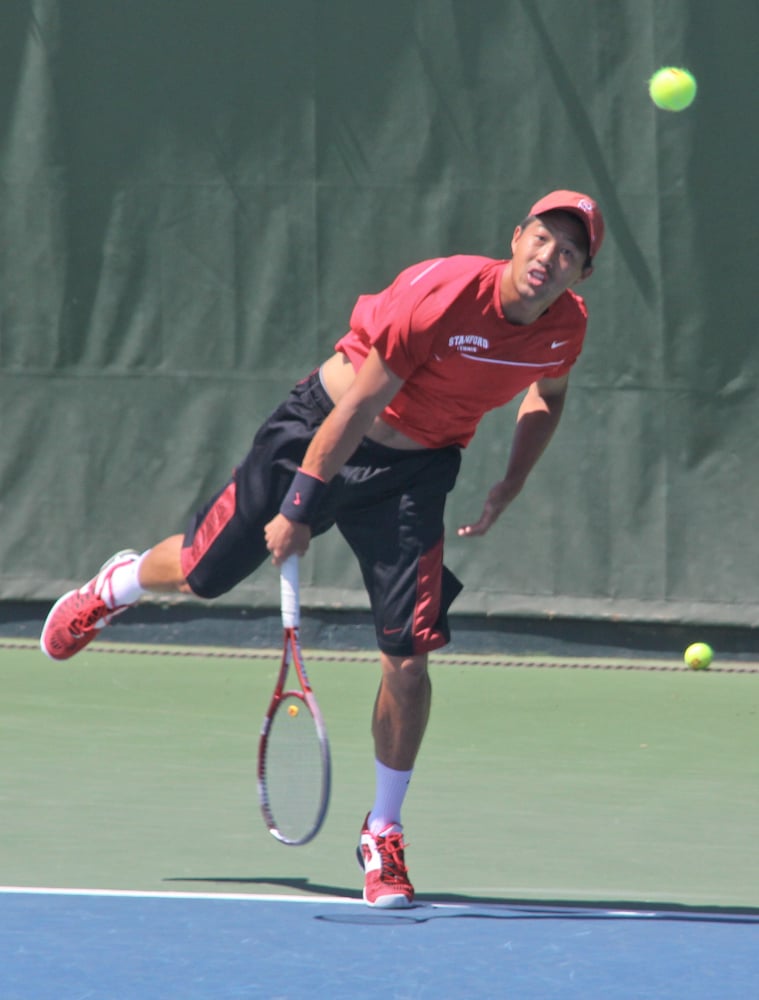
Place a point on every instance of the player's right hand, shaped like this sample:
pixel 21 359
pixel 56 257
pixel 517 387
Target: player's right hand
pixel 286 538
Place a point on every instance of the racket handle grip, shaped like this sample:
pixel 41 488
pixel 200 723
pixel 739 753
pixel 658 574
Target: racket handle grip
pixel 290 592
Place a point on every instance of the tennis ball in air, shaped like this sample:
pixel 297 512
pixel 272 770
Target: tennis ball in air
pixel 292 710
pixel 699 655
pixel 672 89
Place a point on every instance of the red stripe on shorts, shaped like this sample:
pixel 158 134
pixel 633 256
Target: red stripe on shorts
pixel 426 634
pixel 212 525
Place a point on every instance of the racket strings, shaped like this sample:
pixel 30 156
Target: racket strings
pixel 294 769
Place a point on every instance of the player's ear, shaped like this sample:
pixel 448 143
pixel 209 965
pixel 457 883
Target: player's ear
pixel 515 238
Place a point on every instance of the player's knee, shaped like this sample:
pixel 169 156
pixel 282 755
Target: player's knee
pixel 207 588
pixel 405 669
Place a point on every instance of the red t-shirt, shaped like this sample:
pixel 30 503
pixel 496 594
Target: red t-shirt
pixel 440 327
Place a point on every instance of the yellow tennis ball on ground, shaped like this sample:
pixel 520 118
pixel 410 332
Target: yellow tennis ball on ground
pixel 672 88
pixel 293 710
pixel 699 655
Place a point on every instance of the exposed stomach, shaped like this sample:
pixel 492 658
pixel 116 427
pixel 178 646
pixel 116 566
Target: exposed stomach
pixel 337 375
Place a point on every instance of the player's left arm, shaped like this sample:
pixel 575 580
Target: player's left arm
pixel 538 417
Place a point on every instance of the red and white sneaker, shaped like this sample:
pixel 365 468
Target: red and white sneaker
pixel 74 619
pixel 386 880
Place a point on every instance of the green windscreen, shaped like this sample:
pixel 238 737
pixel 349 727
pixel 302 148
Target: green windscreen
pixel 194 194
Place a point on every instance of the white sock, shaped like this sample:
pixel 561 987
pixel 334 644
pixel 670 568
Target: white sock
pixel 390 792
pixel 124 584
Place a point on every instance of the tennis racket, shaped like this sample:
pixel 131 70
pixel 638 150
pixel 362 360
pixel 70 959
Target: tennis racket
pixel 293 751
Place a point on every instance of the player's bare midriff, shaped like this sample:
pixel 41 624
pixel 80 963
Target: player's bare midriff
pixel 336 375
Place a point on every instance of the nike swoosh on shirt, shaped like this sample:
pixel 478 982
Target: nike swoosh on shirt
pixel 558 343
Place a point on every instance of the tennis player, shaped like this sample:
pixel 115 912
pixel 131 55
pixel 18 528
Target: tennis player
pixel 372 442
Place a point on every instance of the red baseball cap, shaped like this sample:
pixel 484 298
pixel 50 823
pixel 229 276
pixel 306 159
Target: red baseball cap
pixel 578 204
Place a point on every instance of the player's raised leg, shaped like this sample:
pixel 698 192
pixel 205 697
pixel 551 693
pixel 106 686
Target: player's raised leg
pixel 77 617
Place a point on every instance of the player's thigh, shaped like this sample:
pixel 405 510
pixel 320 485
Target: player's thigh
pixel 399 546
pixel 221 547
pixel 225 540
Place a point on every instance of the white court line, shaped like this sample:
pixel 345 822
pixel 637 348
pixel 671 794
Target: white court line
pixel 137 894
pixel 278 898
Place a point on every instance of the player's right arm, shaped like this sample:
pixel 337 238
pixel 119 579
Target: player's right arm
pixel 373 387
pixel 339 436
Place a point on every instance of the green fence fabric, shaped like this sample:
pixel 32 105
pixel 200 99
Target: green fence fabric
pixel 194 194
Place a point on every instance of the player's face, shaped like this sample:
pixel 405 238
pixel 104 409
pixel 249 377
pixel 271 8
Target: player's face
pixel 548 256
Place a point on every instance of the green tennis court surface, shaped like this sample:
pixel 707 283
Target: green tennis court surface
pixel 131 768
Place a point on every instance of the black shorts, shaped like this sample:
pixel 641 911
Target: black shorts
pixel 387 503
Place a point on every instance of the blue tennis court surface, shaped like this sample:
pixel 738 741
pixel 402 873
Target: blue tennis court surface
pixel 78 945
